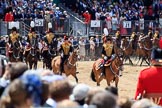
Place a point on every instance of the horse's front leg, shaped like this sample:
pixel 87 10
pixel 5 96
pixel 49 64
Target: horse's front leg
pixel 130 61
pixel 116 82
pixel 35 65
pixel 143 58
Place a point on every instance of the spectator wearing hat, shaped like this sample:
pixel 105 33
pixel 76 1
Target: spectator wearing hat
pixel 80 93
pixel 66 48
pixel 104 100
pixel 87 17
pixel 92 48
pixel 107 54
pixel 149 79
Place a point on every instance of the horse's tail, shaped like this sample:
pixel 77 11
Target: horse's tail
pixel 93 76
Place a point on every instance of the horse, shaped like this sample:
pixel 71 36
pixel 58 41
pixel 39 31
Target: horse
pixel 32 55
pixel 15 53
pixel 69 64
pixel 126 46
pixel 48 54
pixel 144 49
pixel 112 71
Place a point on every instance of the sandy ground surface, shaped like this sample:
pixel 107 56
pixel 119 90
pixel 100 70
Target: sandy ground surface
pixel 127 83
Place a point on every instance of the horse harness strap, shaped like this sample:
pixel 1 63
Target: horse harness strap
pixel 72 64
pixel 113 71
pixel 128 45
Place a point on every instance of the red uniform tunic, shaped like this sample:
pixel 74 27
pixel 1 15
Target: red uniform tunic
pixel 150 81
pixel 160 43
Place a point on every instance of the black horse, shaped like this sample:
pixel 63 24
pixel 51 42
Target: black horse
pixel 48 53
pixel 32 55
pixel 15 53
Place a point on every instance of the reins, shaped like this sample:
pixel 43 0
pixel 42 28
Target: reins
pixel 113 70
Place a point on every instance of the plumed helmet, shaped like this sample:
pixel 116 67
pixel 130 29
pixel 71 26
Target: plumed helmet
pixel 49 25
pixel 32 24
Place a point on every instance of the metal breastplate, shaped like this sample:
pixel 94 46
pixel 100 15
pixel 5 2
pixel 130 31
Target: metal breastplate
pixel 108 49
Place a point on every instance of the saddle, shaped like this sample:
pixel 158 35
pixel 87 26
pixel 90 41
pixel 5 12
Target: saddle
pixel 101 62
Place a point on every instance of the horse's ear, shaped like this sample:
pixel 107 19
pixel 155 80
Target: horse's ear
pixel 76 49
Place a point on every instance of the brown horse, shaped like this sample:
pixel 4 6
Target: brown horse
pixel 144 49
pixel 32 58
pixel 69 65
pixel 15 53
pixel 126 46
pixel 48 54
pixel 112 70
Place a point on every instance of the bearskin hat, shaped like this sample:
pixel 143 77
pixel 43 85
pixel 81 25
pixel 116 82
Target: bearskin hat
pixel 108 38
pixel 14 29
pixel 32 29
pixel 50 30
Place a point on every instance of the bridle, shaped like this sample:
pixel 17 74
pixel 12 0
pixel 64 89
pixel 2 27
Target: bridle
pixel 119 68
pixel 73 58
pixel 128 45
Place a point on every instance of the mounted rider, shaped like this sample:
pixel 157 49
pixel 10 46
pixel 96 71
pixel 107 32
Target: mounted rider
pixel 32 40
pixel 66 48
pixel 150 34
pixel 14 39
pixel 50 39
pixel 134 40
pixel 156 35
pixel 118 38
pixel 107 54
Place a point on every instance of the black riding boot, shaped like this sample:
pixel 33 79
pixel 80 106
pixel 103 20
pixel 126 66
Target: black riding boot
pixel 102 71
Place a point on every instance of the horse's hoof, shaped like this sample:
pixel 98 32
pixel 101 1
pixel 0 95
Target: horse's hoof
pixel 98 84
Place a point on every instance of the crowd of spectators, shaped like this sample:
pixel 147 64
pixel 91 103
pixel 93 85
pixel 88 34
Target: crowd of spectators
pixel 114 12
pixel 129 8
pixel 20 87
pixel 12 10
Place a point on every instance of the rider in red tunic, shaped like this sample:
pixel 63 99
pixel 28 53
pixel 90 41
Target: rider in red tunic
pixel 149 80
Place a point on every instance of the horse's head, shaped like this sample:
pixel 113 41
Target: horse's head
pixel 52 51
pixel 123 42
pixel 33 51
pixel 118 64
